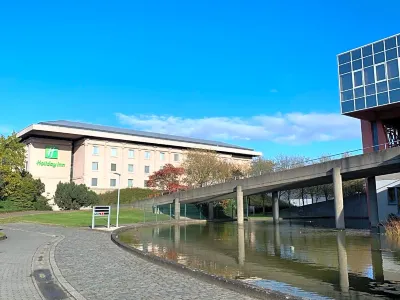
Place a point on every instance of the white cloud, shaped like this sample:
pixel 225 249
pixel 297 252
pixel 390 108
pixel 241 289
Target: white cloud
pixel 291 128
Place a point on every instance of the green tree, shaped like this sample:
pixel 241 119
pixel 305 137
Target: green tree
pixel 74 196
pixel 28 195
pixel 12 157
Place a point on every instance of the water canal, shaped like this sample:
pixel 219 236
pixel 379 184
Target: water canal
pixel 305 261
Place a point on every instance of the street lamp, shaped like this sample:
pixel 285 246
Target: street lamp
pixel 119 188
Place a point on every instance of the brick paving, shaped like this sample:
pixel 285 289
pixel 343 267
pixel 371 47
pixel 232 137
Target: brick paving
pixel 94 267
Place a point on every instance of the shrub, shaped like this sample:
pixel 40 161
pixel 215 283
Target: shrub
pixel 392 226
pixel 128 195
pixel 42 204
pixel 28 192
pixel 73 196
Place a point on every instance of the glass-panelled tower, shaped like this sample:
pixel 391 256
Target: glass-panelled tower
pixel 369 79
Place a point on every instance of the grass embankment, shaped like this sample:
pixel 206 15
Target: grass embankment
pixel 84 218
pixel 392 228
pixel 128 195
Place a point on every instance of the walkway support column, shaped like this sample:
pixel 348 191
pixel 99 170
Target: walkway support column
pixel 239 205
pixel 177 211
pixel 342 260
pixel 372 202
pixel 275 207
pixel 211 211
pixel 338 193
pixel 241 246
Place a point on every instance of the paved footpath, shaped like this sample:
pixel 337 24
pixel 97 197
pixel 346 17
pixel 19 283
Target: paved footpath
pixel 48 262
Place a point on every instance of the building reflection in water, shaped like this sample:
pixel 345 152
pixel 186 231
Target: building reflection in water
pixel 319 261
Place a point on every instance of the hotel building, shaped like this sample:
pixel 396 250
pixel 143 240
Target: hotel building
pixel 64 151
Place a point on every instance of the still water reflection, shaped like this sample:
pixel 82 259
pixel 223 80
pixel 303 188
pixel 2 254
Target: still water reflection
pixel 309 262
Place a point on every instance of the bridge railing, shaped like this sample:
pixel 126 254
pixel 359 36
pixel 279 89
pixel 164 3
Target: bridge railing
pixel 306 162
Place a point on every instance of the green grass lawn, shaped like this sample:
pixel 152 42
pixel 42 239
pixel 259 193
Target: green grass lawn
pixel 84 218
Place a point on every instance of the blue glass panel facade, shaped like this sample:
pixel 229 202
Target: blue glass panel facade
pixel 369 76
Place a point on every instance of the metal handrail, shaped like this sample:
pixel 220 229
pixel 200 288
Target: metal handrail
pixel 298 165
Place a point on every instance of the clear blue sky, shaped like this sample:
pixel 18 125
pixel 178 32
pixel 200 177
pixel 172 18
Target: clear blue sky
pixel 260 74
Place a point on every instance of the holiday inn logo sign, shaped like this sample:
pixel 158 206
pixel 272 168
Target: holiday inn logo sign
pixel 50 152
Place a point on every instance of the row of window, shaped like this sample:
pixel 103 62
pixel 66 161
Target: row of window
pixel 371 89
pixel 113 182
pixel 113 167
pixel 369 61
pixel 131 153
pixel 369 50
pixel 371 101
pixel 375 74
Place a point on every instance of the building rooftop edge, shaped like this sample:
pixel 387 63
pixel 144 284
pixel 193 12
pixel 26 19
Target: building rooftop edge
pixel 131 132
pixel 394 35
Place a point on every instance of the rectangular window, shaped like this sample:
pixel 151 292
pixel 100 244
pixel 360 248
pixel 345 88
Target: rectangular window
pixel 161 167
pixel 147 155
pixel 393 69
pixel 114 152
pixel 375 136
pixel 130 183
pixel 146 169
pixel 94 181
pixel 358 79
pixel 162 156
pixel 95 166
pixel 131 153
pixel 130 168
pixel 369 75
pixel 95 150
pixel 346 82
pixel 113 182
pixel 393 195
pixel 380 72
pixel 113 167
pixel 176 156
pixel 145 183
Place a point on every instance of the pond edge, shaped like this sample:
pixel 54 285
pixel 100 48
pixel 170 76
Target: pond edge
pixel 231 284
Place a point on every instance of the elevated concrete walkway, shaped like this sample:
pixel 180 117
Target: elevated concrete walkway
pixel 360 166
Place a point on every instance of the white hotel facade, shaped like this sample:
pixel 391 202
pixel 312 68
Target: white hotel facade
pixel 92 154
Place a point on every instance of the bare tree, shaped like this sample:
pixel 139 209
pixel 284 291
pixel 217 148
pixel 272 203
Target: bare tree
pixel 261 166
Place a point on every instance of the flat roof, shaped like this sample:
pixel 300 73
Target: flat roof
pixel 79 130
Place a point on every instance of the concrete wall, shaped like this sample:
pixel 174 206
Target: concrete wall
pixel 354 207
pixel 122 160
pixel 60 170
pixel 382 190
pixel 79 163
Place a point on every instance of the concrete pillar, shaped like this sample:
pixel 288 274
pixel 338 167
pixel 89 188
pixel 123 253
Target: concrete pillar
pixel 338 193
pixel 372 202
pixel 277 240
pixel 177 206
pixel 211 211
pixel 239 205
pixel 376 257
pixel 177 236
pixel 342 260
pixel 241 245
pixel 275 207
